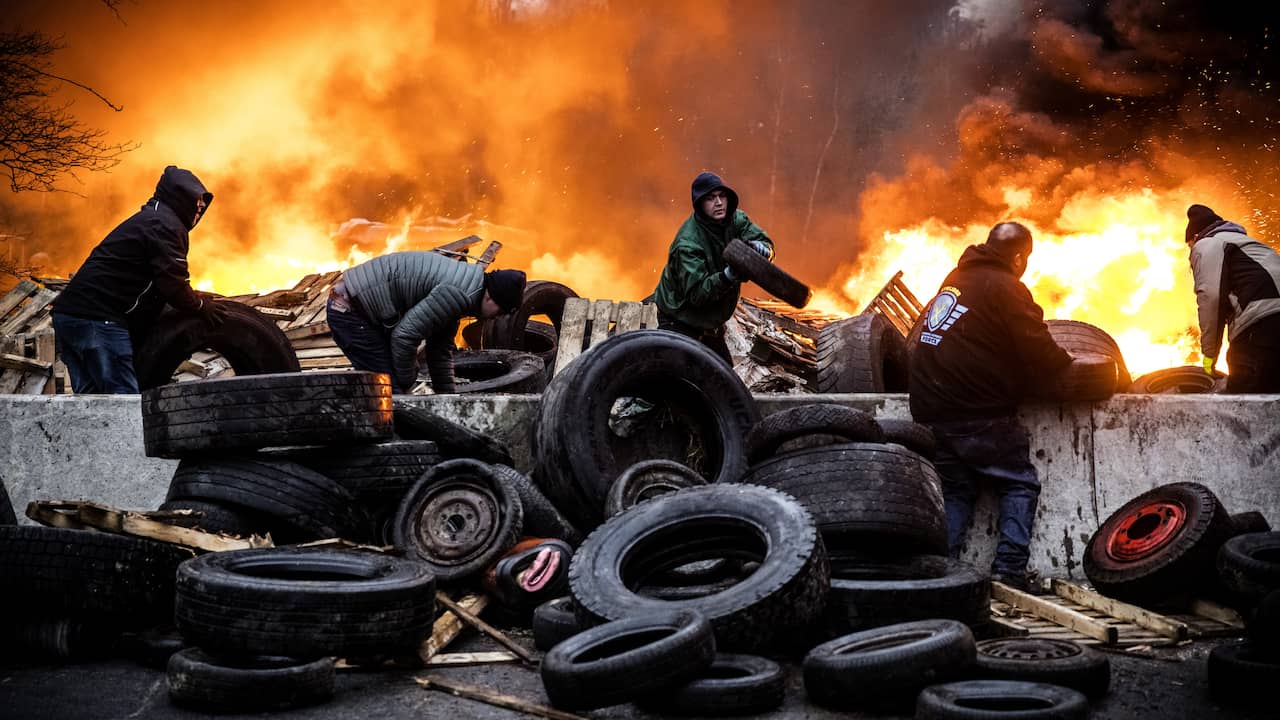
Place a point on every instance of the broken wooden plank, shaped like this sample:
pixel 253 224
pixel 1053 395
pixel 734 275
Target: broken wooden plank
pixel 1140 617
pixel 10 361
pixel 54 514
pixel 34 382
pixel 320 363
pixel 81 514
pixel 1214 611
pixel 600 314
pixel 489 697
pixel 486 628
pixel 449 625
pixel 490 253
pixel 277 313
pixel 1065 617
pixel 302 331
pixel 37 303
pixel 322 351
pixel 457 246
pixel 475 658
pixel 14 297
pixel 573 325
pixel 628 316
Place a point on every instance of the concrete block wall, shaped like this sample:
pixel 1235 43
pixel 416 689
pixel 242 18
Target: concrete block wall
pixel 1091 458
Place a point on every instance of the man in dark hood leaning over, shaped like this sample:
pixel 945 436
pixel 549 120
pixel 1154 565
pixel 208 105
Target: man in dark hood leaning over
pixel 974 354
pixel 1237 286
pixel 381 309
pixel 115 297
pixel 698 292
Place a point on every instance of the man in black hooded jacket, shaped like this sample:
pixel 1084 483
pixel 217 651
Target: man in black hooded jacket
pixel 121 288
pixel 976 350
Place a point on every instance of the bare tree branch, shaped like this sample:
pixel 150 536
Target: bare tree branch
pixel 41 142
pixel 817 171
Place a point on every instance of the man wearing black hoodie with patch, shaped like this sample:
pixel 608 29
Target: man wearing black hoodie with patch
pixel 975 352
pixel 121 288
pixel 1237 287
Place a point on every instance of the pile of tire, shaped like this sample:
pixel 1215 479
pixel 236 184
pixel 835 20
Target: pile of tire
pixel 263 625
pixel 1249 567
pixel 520 330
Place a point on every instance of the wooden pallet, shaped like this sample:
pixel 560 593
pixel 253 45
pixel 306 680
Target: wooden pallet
pixel 1073 612
pixel 163 525
pixel 897 304
pixel 586 323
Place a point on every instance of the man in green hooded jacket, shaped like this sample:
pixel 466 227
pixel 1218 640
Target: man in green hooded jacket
pixel 698 291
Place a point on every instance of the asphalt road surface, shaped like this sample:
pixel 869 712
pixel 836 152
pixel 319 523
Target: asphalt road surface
pixel 1163 683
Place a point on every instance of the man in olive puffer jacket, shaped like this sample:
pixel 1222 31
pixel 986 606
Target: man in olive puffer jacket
pixel 381 309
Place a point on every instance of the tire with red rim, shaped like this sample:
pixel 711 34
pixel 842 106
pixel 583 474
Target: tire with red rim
pixel 1162 543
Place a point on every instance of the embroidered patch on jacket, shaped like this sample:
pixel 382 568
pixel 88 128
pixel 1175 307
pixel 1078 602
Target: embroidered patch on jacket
pixel 943 313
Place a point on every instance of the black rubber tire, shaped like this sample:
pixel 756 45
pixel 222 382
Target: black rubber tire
pixel 646 480
pixel 223 518
pixel 452 439
pixel 1044 660
pixel 1184 379
pixel 541 518
pixel 248 413
pixel 499 371
pixel 199 681
pixel 888 666
pixel 1176 561
pixel 458 519
pixel 773 430
pixel 861 354
pixel 1081 338
pixel 541 297
pixel 1238 675
pixel 301 504
pixel 994 699
pixel 733 685
pixel 1250 521
pixel 627 659
pixel 154 646
pixel 772 279
pixel 304 602
pixel 30 640
pixel 542 339
pixel 867 594
pixel 769 608
pixel 910 435
pixel 85 573
pixel 1089 378
pixel 1264 627
pixel 578 455
pixel 371 472
pixel 7 516
pixel 1249 564
pixel 864 496
pixel 554 622
pixel 250 341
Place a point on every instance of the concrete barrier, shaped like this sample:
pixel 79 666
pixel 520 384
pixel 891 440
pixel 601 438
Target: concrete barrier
pixel 1091 458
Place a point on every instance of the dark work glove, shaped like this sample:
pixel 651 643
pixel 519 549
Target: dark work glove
pixel 730 275
pixel 763 248
pixel 212 313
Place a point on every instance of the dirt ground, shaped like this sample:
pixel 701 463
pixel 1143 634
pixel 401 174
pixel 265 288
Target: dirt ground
pixel 1164 683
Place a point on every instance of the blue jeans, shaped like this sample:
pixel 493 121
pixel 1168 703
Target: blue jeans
pixel 996 452
pixel 365 342
pixel 98 355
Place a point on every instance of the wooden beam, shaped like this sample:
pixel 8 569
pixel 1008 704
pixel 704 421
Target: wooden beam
pixel 573 326
pixel 454 248
pixel 1214 611
pixel 1065 617
pixel 449 625
pixel 1168 627
pixel 486 628
pixel 17 362
pixel 16 296
pixel 489 697
pixel 36 304
pixel 490 253
pixel 301 331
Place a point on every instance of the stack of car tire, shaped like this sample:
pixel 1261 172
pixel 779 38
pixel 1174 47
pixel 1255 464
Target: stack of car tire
pixel 1249 567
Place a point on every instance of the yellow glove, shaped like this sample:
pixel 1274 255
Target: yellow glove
pixel 1208 363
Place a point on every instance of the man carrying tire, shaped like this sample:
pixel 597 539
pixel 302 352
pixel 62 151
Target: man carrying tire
pixel 975 353
pixel 698 291
pixel 380 310
pixel 1237 285
pixel 113 300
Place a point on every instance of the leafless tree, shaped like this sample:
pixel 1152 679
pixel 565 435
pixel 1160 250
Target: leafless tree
pixel 40 140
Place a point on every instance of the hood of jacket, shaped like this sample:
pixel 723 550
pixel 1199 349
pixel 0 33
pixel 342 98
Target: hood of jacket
pixel 704 185
pixel 983 256
pixel 179 189
pixel 1220 227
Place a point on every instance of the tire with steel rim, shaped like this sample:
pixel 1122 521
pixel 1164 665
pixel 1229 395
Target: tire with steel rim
pixel 1160 544
pixel 1046 660
pixel 995 699
pixel 458 519
pixel 646 480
